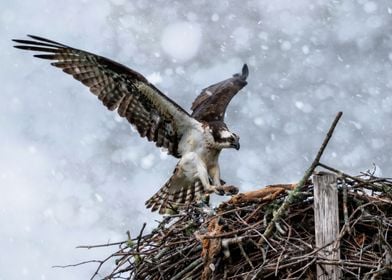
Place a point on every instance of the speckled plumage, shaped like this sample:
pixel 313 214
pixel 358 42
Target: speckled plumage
pixel 195 139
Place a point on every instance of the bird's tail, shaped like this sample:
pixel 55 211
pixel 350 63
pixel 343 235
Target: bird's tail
pixel 172 197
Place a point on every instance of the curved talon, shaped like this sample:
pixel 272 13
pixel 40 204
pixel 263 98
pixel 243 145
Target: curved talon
pixel 219 190
pixel 210 189
pixel 222 190
pixel 225 190
pixel 230 189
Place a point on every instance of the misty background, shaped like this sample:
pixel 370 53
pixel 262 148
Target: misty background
pixel 73 173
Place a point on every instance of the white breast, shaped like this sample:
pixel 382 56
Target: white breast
pixel 198 157
pixel 193 140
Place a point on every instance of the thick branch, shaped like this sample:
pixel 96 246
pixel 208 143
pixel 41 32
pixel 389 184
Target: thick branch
pixel 290 198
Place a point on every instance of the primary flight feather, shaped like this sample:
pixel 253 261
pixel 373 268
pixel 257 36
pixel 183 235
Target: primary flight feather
pixel 196 139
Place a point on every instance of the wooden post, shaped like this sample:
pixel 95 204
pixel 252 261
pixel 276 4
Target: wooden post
pixel 326 218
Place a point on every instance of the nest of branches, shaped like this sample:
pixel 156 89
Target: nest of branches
pixel 235 241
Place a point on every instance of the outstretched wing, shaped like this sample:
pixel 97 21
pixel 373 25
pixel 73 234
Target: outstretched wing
pixel 154 115
pixel 212 102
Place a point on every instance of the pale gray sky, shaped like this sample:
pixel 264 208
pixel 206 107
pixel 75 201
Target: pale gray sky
pixel 73 173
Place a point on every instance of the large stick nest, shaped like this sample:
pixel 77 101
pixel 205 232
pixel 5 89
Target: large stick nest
pixel 230 242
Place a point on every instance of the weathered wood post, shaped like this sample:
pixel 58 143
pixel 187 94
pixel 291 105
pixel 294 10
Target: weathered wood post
pixel 326 218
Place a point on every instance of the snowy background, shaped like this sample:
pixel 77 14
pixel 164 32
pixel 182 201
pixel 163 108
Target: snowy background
pixel 73 173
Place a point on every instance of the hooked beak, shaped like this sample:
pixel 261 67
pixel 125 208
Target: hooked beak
pixel 236 144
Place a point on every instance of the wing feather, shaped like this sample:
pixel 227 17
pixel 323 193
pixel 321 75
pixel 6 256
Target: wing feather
pixel 154 115
pixel 212 102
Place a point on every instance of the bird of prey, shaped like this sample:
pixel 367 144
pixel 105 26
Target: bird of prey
pixel 195 138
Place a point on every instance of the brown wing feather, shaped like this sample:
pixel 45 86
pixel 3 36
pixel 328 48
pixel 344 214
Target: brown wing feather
pixel 154 115
pixel 212 102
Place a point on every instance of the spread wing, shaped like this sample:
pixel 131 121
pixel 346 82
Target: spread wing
pixel 212 102
pixel 154 115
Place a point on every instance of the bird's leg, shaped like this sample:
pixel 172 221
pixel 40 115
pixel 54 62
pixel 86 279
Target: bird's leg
pixel 205 179
pixel 217 186
pixel 215 175
pixel 222 188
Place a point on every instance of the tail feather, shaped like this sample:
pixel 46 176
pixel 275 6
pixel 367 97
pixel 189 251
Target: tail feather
pixel 189 194
pixel 171 197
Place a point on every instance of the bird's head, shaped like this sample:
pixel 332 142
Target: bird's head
pixel 227 139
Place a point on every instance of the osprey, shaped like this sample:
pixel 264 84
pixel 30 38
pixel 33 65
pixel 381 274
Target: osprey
pixel 196 139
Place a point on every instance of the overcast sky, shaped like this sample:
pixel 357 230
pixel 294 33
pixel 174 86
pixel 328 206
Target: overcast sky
pixel 73 173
